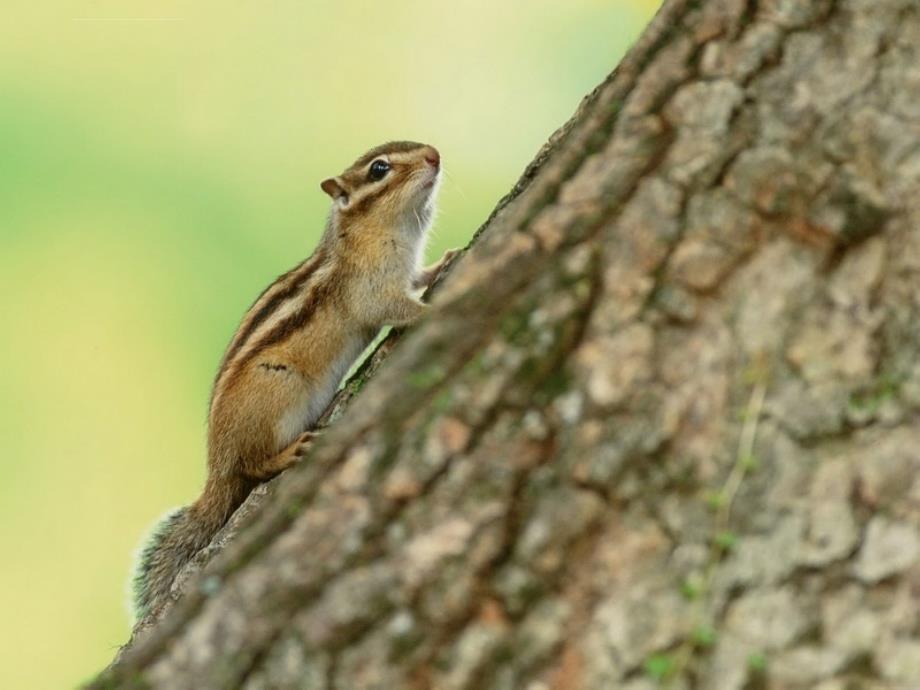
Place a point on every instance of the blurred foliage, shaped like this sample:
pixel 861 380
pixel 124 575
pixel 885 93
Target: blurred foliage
pixel 159 165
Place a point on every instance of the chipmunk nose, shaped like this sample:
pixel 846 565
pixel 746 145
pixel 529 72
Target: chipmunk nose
pixel 432 157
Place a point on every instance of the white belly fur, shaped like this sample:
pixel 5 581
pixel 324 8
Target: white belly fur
pixel 303 414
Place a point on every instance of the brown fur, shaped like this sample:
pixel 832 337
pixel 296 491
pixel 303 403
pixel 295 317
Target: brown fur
pixel 297 340
pixel 282 289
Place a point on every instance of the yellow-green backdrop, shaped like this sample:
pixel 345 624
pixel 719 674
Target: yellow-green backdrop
pixel 159 165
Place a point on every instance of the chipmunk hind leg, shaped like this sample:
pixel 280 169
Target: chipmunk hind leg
pixel 288 456
pixel 258 429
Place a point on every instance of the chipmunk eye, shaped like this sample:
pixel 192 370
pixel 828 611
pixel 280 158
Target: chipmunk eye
pixel 378 170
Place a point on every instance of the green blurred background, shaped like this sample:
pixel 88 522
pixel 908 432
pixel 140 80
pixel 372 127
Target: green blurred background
pixel 155 175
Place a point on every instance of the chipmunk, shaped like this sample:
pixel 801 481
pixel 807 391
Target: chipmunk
pixel 297 341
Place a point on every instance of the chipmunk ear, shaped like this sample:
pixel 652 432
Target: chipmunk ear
pixel 333 187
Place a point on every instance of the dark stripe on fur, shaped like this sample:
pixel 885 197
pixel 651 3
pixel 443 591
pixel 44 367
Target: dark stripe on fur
pixel 297 277
pixel 384 149
pixel 361 207
pixel 318 294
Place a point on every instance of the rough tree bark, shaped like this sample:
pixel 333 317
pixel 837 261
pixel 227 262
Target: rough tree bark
pixel 661 426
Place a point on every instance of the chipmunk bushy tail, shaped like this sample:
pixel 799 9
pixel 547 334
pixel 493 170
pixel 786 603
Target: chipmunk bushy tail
pixel 175 540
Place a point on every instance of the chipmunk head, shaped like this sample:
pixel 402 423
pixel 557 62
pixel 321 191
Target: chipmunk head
pixel 394 184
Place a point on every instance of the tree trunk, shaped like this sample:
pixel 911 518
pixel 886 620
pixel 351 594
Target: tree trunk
pixel 661 426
